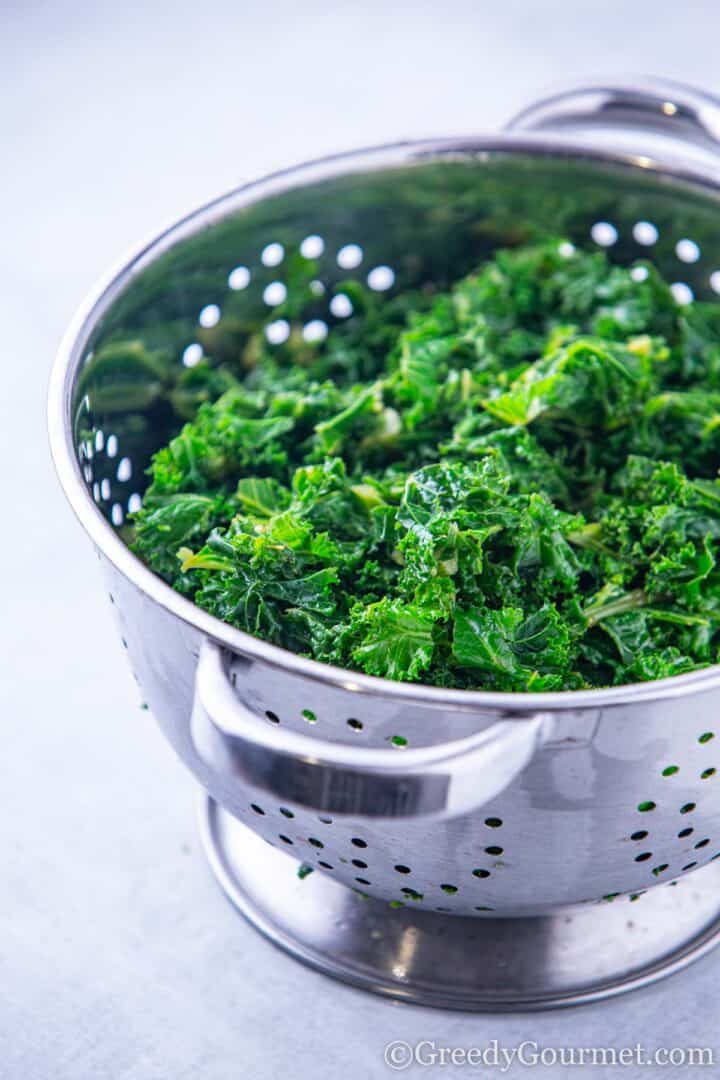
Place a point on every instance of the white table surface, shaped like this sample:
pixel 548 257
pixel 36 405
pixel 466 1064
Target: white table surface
pixel 119 958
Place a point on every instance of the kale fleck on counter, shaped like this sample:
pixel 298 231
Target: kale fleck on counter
pixel 508 486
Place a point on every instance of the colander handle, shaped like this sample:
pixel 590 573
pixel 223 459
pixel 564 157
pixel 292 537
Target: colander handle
pixel 633 106
pixel 356 782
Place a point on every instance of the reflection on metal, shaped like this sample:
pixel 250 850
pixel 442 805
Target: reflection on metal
pixel 570 957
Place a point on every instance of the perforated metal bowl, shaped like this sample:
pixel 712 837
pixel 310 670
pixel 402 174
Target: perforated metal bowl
pixel 542 817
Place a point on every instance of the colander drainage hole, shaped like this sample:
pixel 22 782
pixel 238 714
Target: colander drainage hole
pixel 349 256
pixel 402 869
pixel 325 865
pixel 239 278
pixel 312 246
pixel 706 737
pixel 702 844
pixel 494 850
pixel 688 808
pixel 646 807
pixel 645 233
pixel 272 254
pixel 315 842
pixel 641 834
pixel 381 278
pixel 412 894
pixel 272 717
pixel 682 292
pixel 285 839
pixel 480 873
pixel 286 813
pixel 356 725
pixel 274 294
pixel 707 773
pixel 604 234
pixel 658 870
pixel 310 716
pixel 670 770
pixel 277 332
pixel 449 889
pixel 685 832
pixel 689 866
pixel 644 857
pixel 360 864
pixel 493 822
pixel 363 881
pixel 326 820
pixel 256 808
pixel 360 843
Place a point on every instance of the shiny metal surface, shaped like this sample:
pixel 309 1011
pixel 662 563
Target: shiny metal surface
pixel 571 957
pixel 635 108
pixel 597 792
pixel 352 782
pixel 568 829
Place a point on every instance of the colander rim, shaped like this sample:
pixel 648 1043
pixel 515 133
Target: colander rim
pixel 112 284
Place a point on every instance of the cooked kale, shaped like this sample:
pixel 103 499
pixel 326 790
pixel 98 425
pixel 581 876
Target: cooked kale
pixel 509 486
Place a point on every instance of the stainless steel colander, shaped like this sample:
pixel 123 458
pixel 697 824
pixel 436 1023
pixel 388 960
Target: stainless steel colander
pixel 469 849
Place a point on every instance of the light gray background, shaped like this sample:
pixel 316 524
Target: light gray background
pixel 119 958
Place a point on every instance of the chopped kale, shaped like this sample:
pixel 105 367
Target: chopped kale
pixel 509 486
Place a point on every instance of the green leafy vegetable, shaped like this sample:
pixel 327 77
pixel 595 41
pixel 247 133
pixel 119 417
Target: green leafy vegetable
pixel 511 485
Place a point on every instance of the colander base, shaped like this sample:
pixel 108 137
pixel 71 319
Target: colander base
pixel 577 955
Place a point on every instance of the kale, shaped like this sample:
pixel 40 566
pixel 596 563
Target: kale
pixel 510 485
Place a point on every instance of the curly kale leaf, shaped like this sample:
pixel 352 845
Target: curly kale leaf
pixel 509 484
pixel 391 639
pixel 173 522
pixel 588 382
pixel 516 650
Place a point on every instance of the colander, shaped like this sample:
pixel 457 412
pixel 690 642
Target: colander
pixel 455 848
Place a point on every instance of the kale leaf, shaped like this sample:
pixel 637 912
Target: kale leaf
pixel 509 485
